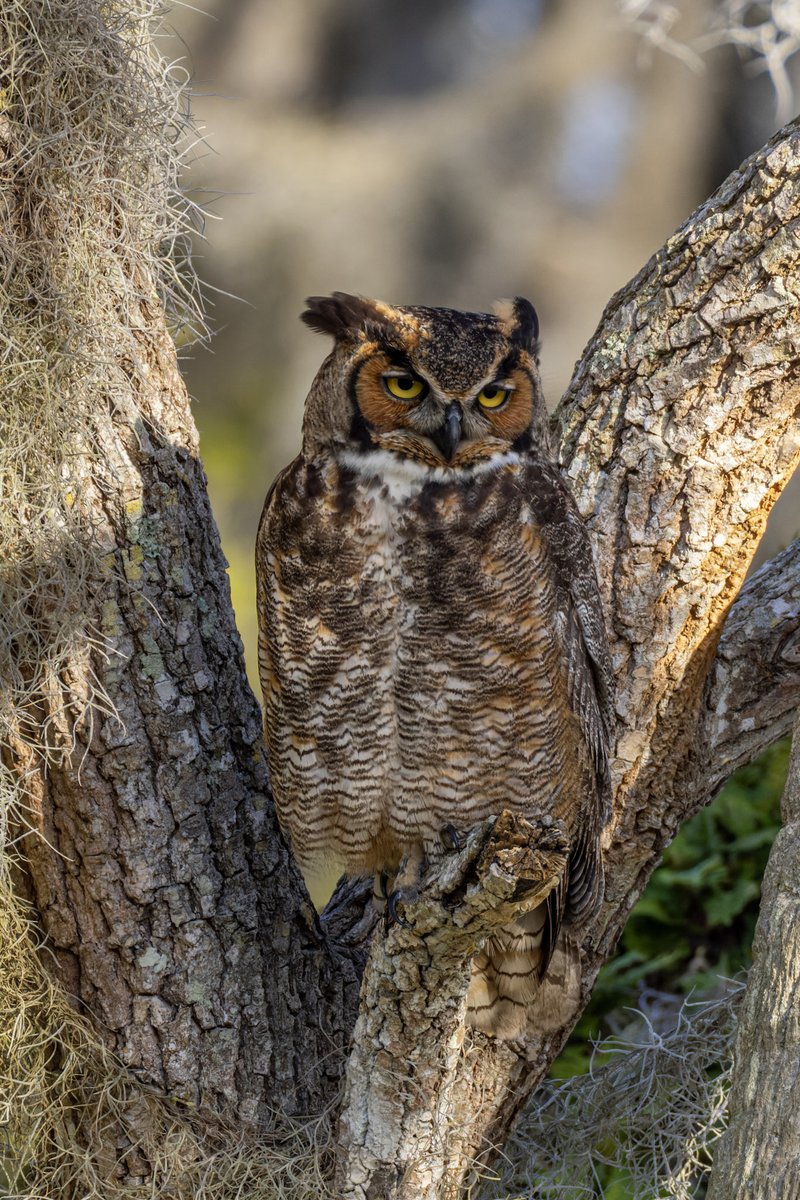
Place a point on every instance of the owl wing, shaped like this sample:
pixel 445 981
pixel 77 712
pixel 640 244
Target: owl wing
pixel 285 476
pixel 286 472
pixel 581 627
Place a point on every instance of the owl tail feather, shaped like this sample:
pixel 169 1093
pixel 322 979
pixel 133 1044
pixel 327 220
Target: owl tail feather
pixel 513 988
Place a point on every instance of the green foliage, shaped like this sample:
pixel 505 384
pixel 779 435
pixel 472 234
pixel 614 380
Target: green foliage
pixel 696 918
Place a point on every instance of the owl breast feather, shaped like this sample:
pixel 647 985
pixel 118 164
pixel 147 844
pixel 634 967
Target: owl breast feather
pixel 413 656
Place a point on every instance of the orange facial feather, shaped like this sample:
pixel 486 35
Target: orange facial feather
pixel 379 409
pixel 511 421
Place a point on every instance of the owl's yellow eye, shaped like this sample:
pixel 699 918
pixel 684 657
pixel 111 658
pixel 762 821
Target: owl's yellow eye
pixel 404 387
pixel 494 395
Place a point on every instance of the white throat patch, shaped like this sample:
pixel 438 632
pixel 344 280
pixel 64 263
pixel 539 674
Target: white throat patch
pixel 404 478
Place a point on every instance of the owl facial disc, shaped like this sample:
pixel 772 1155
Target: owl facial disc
pixel 439 387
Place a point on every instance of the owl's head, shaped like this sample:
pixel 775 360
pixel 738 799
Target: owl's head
pixel 435 385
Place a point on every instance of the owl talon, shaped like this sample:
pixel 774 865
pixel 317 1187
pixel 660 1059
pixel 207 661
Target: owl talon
pixel 450 838
pixel 401 896
pixel 379 895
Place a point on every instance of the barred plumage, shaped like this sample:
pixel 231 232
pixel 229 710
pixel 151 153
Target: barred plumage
pixel 431 642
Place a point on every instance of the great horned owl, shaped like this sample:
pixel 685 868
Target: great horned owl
pixel 432 648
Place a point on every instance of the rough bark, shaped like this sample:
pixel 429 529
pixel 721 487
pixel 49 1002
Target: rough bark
pixel 418 979
pixel 679 430
pixel 162 881
pixel 759 1154
pixel 176 914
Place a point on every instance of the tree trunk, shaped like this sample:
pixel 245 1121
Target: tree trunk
pixel 759 1153
pixel 153 856
pixel 177 916
pixel 155 862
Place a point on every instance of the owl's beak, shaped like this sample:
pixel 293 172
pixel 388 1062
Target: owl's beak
pixel 448 435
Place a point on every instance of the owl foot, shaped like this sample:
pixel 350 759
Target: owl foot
pixel 406 887
pixel 451 838
pixel 396 900
pixel 380 894
pixel 380 889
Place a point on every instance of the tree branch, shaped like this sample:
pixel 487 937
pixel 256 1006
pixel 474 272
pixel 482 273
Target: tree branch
pixel 680 429
pixel 753 688
pixel 160 876
pixel 413 1003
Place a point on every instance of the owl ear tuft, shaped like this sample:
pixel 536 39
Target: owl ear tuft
pixel 342 315
pixel 520 322
pixel 525 327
